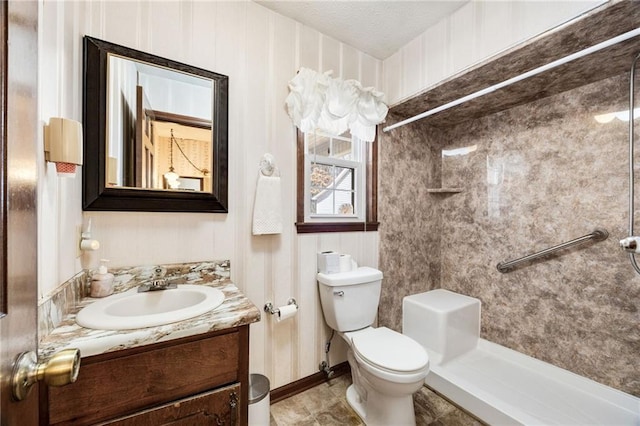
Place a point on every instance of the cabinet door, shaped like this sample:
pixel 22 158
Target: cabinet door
pixel 130 382
pixel 218 408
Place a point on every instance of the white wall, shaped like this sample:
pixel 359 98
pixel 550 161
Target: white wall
pixel 473 33
pixel 260 51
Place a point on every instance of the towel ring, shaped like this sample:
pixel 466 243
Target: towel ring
pixel 268 166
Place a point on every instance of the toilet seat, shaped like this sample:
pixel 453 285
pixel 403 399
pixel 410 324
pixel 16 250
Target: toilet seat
pixel 390 355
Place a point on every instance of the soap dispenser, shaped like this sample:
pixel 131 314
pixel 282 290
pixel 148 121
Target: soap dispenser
pixel 102 281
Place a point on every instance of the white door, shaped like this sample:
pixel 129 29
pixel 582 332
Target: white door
pixel 18 221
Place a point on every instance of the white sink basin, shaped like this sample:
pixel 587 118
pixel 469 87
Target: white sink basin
pixel 129 310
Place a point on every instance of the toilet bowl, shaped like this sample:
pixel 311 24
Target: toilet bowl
pixel 387 367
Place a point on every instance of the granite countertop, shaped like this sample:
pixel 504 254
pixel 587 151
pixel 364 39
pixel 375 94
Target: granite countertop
pixel 236 310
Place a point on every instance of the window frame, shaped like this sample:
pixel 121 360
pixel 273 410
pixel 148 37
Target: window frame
pixel 356 165
pixel 370 223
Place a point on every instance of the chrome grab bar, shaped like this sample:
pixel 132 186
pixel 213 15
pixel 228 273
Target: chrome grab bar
pixel 596 235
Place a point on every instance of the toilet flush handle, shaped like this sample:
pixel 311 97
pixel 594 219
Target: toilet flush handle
pixel 338 293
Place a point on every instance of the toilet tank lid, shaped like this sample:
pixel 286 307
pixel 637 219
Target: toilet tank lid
pixel 361 275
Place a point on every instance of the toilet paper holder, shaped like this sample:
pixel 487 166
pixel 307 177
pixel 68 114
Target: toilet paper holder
pixel 268 307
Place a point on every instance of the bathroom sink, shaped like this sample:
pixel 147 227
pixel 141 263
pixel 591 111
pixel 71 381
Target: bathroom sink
pixel 130 309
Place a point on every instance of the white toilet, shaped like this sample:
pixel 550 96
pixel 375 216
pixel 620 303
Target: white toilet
pixel 387 367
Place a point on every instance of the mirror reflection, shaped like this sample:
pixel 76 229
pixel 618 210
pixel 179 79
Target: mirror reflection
pixel 159 127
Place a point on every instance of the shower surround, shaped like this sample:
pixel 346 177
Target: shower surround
pixel 533 176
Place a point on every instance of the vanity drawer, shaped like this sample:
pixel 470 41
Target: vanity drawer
pixel 219 407
pixel 124 382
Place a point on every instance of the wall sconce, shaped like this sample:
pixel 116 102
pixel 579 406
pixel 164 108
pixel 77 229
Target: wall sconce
pixel 63 145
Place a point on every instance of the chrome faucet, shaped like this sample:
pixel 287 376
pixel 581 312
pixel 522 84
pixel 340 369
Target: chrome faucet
pixel 159 282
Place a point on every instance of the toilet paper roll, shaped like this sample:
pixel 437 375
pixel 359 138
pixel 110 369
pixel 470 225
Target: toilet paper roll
pixel 286 311
pixel 345 263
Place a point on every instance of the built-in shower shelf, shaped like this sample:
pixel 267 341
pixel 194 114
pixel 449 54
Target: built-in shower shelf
pixel 444 190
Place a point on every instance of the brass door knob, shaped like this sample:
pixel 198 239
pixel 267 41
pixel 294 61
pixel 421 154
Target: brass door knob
pixel 59 370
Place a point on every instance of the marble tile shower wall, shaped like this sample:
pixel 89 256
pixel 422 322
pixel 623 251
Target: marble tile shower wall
pixel 540 174
pixel 409 220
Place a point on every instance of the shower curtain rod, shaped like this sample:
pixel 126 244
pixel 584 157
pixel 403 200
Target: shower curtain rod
pixel 531 73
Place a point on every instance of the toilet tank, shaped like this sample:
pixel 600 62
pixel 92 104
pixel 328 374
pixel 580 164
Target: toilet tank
pixel 350 299
pixel 447 324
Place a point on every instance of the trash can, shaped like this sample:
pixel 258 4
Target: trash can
pixel 259 414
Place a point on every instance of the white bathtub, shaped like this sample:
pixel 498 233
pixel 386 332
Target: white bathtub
pixel 501 386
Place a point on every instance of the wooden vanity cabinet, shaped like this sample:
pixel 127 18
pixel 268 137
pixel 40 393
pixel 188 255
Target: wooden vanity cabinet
pixel 197 380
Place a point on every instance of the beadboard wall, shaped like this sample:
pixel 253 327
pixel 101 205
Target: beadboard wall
pixel 260 51
pixel 470 35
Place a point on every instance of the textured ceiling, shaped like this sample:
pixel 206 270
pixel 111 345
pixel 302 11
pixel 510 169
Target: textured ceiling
pixel 378 28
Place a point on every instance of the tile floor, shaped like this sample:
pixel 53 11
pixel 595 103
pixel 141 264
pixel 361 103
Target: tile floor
pixel 326 404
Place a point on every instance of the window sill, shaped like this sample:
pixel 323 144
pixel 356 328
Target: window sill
pixel 318 227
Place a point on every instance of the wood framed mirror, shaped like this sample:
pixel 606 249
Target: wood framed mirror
pixel 155 133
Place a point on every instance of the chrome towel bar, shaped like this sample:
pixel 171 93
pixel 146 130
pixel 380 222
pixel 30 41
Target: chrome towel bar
pixel 596 235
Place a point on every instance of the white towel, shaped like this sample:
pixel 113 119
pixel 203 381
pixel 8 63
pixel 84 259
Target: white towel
pixel 267 210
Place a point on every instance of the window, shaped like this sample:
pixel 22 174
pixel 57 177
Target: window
pixel 337 180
